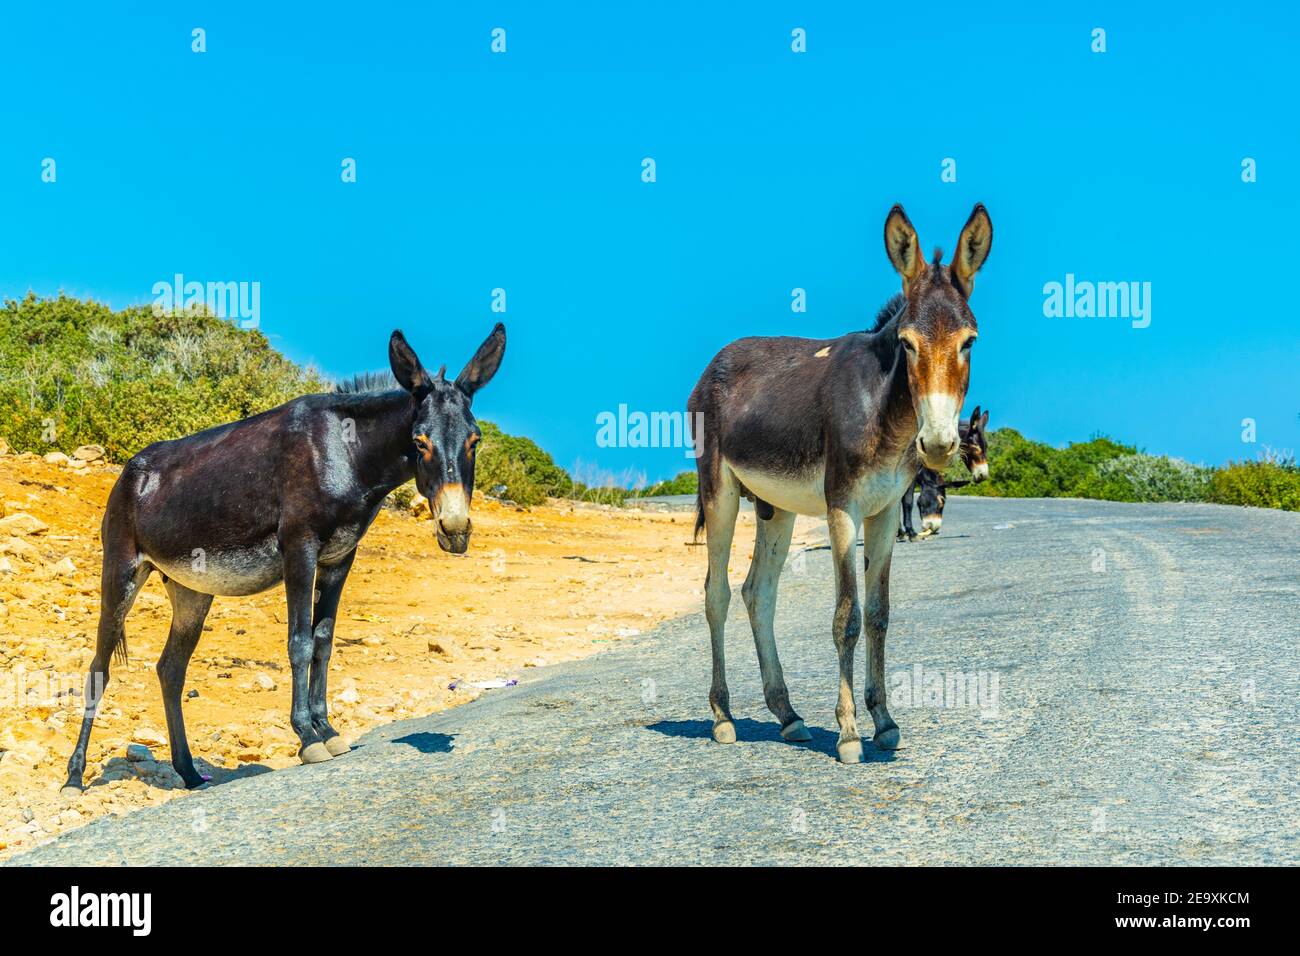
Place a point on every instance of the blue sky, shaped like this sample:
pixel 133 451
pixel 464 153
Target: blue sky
pixel 775 170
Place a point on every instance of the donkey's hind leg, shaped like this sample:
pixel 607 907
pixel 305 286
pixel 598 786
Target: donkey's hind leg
pixel 843 526
pixel 124 574
pixel 189 610
pixel 720 511
pixel 771 544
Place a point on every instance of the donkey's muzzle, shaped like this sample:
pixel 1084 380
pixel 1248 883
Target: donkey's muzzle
pixel 936 453
pixel 453 541
pixel 938 436
pixel 451 511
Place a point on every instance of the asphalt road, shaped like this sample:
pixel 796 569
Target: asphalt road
pixel 1147 660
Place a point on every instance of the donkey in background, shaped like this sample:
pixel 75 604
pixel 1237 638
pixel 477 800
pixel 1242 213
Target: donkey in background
pixel 930 487
pixel 285 495
pixel 834 427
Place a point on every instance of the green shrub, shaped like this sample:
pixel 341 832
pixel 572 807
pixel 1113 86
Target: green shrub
pixel 1105 469
pixel 1140 477
pixel 1260 484
pixel 684 483
pixel 529 474
pixel 75 373
pixel 1021 468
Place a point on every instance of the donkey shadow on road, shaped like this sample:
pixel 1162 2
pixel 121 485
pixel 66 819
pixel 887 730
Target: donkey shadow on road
pixel 214 775
pixel 750 731
pixel 427 742
pixel 120 768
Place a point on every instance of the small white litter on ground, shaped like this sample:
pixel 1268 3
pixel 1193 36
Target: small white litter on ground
pixel 495 684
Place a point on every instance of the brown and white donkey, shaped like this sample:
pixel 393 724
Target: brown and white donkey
pixel 834 427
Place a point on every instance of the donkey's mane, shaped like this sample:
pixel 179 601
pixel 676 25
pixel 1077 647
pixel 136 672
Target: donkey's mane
pixel 889 311
pixel 364 383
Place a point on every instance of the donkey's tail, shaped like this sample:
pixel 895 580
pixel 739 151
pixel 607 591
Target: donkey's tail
pixel 699 517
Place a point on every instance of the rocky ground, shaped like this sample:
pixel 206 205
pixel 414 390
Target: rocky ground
pixel 417 628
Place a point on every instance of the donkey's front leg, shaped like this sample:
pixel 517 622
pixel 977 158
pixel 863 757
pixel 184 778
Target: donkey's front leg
pixel 329 587
pixel 878 545
pixel 300 557
pixel 843 526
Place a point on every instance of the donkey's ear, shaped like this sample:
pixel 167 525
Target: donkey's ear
pixel 903 247
pixel 984 421
pixel 485 362
pixel 408 371
pixel 974 418
pixel 972 248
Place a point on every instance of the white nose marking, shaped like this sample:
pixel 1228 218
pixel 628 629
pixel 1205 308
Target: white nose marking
pixel 938 434
pixel 453 508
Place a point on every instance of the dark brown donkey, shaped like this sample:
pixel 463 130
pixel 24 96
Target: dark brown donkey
pixel 834 427
pixel 281 496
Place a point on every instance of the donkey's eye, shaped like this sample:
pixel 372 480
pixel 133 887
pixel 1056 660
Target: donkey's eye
pixel 965 346
pixel 907 344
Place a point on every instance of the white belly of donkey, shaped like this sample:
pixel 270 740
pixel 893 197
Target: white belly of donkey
pixel 802 494
pixel 806 494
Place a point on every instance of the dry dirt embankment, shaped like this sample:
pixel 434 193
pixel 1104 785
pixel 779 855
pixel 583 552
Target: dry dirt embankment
pixel 537 587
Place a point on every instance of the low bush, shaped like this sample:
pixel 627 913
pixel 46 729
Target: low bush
pixel 1260 484
pixel 1105 469
pixel 684 483
pixel 75 373
pixel 1022 468
pixel 1139 477
pixel 529 475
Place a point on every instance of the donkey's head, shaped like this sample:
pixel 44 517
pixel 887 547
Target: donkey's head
pixel 931 496
pixel 975 447
pixel 444 434
pixel 937 329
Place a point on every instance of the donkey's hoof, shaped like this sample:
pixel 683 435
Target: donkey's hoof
pixel 887 739
pixel 315 753
pixel 337 746
pixel 71 792
pixel 850 751
pixel 724 732
pixel 796 732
